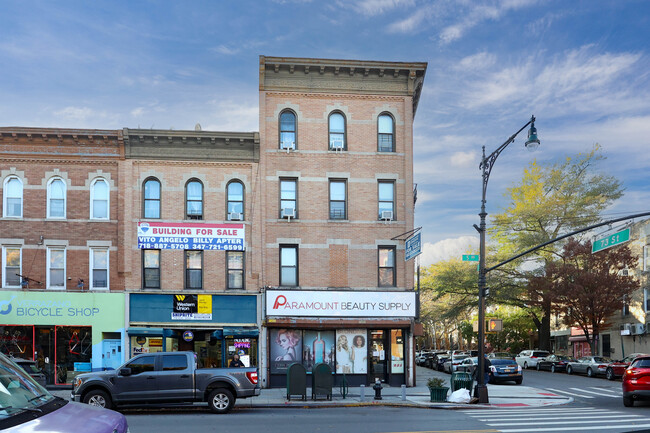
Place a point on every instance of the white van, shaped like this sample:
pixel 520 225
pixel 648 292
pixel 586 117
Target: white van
pixel 529 358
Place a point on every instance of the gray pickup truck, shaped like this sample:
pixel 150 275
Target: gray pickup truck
pixel 166 377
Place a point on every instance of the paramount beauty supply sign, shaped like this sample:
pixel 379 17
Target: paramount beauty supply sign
pixel 312 303
pixel 191 236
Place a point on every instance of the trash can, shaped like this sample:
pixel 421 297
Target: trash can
pixel 321 381
pixel 296 381
pixel 461 379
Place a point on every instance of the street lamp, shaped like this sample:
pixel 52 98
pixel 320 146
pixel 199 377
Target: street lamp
pixel 486 166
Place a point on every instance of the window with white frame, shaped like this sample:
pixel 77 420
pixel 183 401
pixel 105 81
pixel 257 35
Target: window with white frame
pixel 13 197
pixel 338 199
pixel 11 266
pixel 193 269
pixel 235 262
pixel 386 200
pixel 287 130
pixel 99 269
pixel 56 268
pixel 194 200
pixel 151 198
pixel 646 258
pixel 151 269
pixel 288 265
pixel 235 206
pixel 56 198
pixel 385 133
pixel 337 134
pixel 387 269
pixel 288 198
pixel 99 199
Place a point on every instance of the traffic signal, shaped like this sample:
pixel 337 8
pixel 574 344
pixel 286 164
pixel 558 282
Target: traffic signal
pixel 495 325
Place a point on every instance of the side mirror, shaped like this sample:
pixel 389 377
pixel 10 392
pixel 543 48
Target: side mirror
pixel 125 371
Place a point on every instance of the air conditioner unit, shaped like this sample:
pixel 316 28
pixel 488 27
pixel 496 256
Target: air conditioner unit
pixel 235 216
pixel 626 329
pixel 624 272
pixel 288 212
pixel 288 145
pixel 387 215
pixel 637 329
pixel 336 145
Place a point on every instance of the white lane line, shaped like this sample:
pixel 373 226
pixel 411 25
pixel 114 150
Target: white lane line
pixel 569 393
pixel 590 417
pixel 599 394
pixel 528 411
pixel 576 428
pixel 564 422
pixel 615 391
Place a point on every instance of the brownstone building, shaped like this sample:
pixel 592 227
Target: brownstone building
pixel 336 194
pixel 62 299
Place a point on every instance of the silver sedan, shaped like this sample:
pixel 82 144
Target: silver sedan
pixel 589 365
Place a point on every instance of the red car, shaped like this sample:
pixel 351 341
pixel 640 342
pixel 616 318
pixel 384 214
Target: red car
pixel 636 381
pixel 617 368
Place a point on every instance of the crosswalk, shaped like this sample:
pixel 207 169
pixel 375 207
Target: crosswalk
pixel 589 392
pixel 559 419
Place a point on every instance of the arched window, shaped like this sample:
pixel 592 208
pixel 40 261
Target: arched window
pixel 56 198
pixel 337 131
pixel 152 198
pixel 288 130
pixel 99 199
pixel 385 133
pixel 194 200
pixel 235 201
pixel 13 197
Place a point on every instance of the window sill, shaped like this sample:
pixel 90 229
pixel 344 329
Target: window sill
pixel 14 218
pixel 338 220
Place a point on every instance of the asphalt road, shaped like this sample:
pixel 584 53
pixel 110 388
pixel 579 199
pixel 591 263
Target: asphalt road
pixel 598 407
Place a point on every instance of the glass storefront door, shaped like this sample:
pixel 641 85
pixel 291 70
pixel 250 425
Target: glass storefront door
pixel 378 358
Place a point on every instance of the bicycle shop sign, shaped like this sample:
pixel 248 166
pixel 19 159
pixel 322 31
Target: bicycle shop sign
pixel 38 308
pixel 191 236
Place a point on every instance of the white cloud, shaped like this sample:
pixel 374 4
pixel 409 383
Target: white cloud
pixel 447 249
pixel 76 113
pixel 463 159
pixel 476 62
pixel 375 7
pixel 137 112
pixel 233 115
pixel 222 49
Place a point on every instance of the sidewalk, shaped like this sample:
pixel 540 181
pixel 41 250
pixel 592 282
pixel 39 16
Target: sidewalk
pixel 500 396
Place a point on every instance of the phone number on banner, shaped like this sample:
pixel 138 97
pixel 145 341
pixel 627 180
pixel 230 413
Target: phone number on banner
pixel 189 246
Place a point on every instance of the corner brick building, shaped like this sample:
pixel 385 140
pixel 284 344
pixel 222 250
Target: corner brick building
pixel 284 245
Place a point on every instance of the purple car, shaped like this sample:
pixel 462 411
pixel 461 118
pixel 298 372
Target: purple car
pixel 27 406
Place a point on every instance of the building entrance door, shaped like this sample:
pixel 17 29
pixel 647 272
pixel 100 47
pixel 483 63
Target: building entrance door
pixel 378 355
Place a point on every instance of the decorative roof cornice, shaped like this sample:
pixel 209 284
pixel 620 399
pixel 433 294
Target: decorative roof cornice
pixel 79 136
pixel 165 144
pixel 342 76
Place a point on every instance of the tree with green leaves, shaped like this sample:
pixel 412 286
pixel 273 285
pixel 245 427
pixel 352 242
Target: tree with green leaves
pixel 548 202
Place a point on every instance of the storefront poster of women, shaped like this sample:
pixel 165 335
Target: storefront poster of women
pixel 286 348
pixel 318 346
pixel 351 351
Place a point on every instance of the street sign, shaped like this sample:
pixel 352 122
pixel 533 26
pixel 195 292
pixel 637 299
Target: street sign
pixel 610 241
pixel 470 257
pixel 413 247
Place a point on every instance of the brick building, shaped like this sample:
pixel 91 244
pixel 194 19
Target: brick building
pixel 63 301
pixel 337 191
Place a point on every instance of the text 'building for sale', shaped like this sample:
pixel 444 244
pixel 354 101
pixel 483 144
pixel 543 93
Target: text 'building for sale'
pixel 284 245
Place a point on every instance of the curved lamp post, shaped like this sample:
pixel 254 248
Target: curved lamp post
pixel 487 162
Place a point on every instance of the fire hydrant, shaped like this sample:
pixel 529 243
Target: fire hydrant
pixel 377 387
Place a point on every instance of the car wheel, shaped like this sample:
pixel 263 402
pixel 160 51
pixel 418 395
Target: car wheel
pixel 538 367
pixel 590 372
pixel 609 374
pixel 518 381
pixel 569 370
pixel 628 402
pixel 525 365
pixel 221 400
pixel 98 398
pixel 553 368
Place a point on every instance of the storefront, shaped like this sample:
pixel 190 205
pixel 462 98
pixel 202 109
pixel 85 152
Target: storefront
pixel 216 327
pixel 361 335
pixel 65 333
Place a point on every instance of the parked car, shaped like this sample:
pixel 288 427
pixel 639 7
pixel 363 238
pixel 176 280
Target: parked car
pixel 451 365
pixel 469 365
pixel 589 365
pixel 505 370
pixel 26 406
pixel 504 355
pixel 166 377
pixel 31 368
pixel 441 358
pixel 430 360
pixel 555 363
pixel 529 358
pixel 617 368
pixel 636 381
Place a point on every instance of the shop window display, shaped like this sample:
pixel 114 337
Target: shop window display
pixel 318 347
pixel 141 344
pixel 73 352
pixel 286 348
pixel 17 341
pixel 246 348
pixel 351 351
pixel 397 351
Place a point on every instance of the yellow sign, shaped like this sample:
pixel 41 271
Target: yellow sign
pixel 205 304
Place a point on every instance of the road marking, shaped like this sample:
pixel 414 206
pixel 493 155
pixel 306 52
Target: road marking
pixel 452 431
pixel 616 391
pixel 572 417
pixel 569 393
pixel 576 428
pixel 599 394
pixel 529 411
pixel 564 423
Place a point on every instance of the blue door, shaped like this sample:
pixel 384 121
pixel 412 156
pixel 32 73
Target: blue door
pixel 111 354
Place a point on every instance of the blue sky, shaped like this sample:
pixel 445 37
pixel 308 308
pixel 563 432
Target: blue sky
pixel 581 67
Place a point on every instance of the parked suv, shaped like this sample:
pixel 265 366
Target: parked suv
pixel 636 381
pixel 529 358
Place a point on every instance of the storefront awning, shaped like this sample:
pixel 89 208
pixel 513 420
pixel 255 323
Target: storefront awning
pixel 158 332
pixel 241 332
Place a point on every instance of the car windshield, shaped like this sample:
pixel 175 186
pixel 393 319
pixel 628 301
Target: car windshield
pixel 602 360
pixel 502 361
pixel 18 391
pixel 460 357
